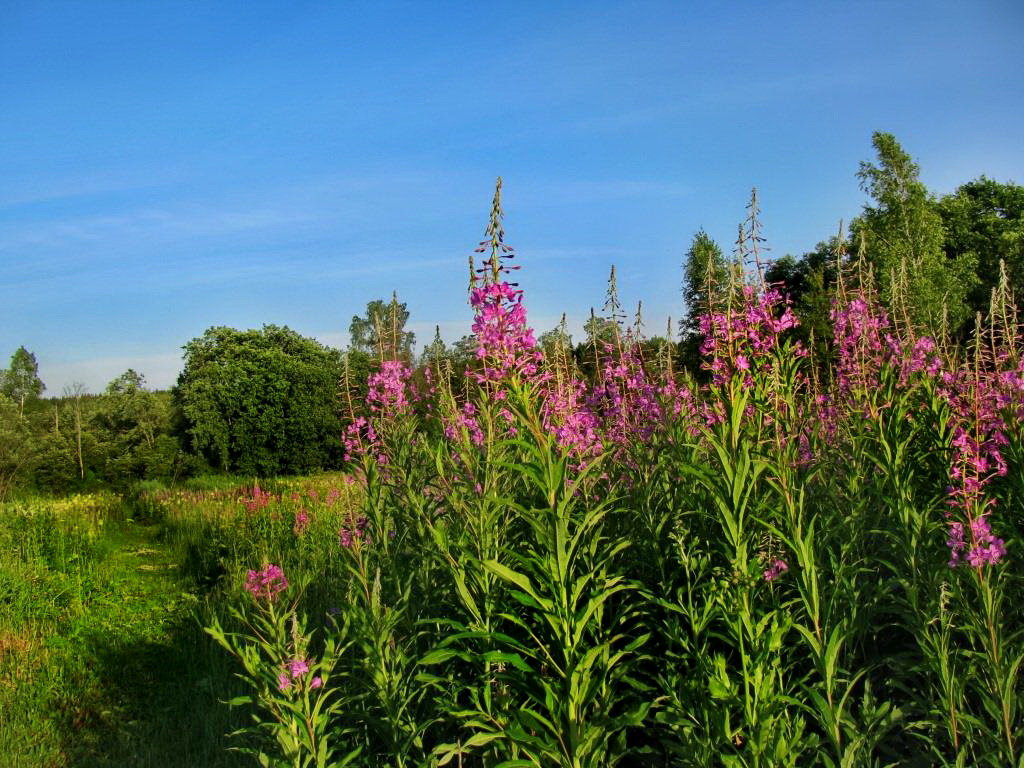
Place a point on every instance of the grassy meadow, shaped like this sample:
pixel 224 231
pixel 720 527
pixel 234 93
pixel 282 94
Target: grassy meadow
pixel 103 659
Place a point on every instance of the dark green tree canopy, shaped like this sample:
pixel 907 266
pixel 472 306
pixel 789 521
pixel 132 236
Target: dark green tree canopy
pixel 261 402
pixel 984 221
pixel 903 234
pixel 809 282
pixel 21 381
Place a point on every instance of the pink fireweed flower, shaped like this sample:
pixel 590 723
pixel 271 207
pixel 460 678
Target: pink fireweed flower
pixel 505 344
pixel 982 549
pixel 348 535
pixel 569 419
pixel 738 340
pixel 389 388
pixel 775 570
pixel 465 419
pixel 859 330
pixel 294 672
pixel 361 439
pixel 260 499
pixel 301 522
pixel 266 584
pixel 979 439
pixel 625 400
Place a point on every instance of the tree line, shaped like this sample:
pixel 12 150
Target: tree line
pixel 270 401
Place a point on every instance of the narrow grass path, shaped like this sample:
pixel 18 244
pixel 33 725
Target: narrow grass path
pixel 129 678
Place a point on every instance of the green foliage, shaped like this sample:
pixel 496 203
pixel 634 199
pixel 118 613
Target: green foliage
pixel 984 222
pixel 18 447
pixel 810 282
pixel 556 341
pixel 600 330
pixel 293 712
pixel 261 402
pixel 705 286
pixel 102 659
pixel 464 350
pixel 904 236
pixel 21 381
pixel 436 351
pixel 381 333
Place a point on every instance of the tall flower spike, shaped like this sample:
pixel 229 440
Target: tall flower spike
pixel 393 310
pixel 754 237
pixel 346 387
pixel 839 252
pixel 505 343
pixel 378 325
pixel 594 341
pixel 492 268
pixel 667 365
pixel 612 307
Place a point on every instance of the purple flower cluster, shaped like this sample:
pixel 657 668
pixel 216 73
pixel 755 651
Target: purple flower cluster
pixel 922 358
pixel 360 439
pixel 983 548
pixel 736 340
pixel 568 418
pixel 266 584
pixel 866 344
pixel 389 388
pixel 505 344
pixel 860 331
pixel 775 569
pixel 979 437
pixel 350 534
pixel 259 499
pixel 465 419
pixel 301 522
pixel 624 398
pixel 294 672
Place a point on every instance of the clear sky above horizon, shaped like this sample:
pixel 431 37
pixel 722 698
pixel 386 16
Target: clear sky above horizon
pixel 167 167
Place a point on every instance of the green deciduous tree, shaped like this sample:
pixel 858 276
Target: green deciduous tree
pixel 464 350
pixel 904 235
pixel 136 425
pixel 21 381
pixel 984 221
pixel 381 331
pixel 261 402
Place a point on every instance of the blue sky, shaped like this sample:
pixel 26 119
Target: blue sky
pixel 169 167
